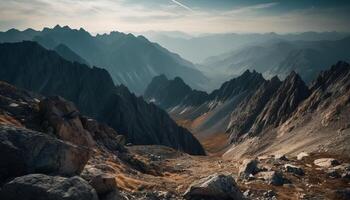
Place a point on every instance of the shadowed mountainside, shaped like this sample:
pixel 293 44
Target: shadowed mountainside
pixel 130 60
pixel 30 66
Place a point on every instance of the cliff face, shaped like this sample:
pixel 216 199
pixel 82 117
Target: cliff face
pixel 30 66
pixel 244 117
pixel 282 104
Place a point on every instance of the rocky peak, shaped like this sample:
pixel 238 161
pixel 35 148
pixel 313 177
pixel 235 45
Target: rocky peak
pixel 248 81
pixel 167 93
pixel 336 72
pixel 282 104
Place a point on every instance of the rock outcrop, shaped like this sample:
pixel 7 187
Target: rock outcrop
pixel 24 151
pixel 43 187
pixel 103 183
pixel 214 187
pixel 282 104
pixel 272 177
pixel 248 167
pixel 326 162
pixel 63 117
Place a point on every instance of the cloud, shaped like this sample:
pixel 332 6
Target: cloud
pixel 167 15
pixel 251 8
pixel 182 5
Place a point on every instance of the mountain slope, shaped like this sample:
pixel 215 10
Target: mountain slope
pixel 320 123
pixel 68 54
pixel 210 113
pixel 132 61
pixel 30 66
pixel 260 116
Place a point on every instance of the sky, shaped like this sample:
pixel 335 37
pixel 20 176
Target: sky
pixel 190 16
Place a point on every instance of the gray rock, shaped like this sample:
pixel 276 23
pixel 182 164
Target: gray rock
pixel 214 187
pixel 43 187
pixel 294 169
pixel 23 152
pixel 333 174
pixel 272 177
pixel 249 166
pixel 326 162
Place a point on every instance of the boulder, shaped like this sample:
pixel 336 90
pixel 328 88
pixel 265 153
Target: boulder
pixel 346 175
pixel 103 183
pixel 333 174
pixel 302 155
pixel 281 157
pixel 249 166
pixel 272 177
pixel 294 169
pixel 326 162
pixel 214 187
pixel 23 152
pixel 43 187
pixel 103 134
pixel 64 118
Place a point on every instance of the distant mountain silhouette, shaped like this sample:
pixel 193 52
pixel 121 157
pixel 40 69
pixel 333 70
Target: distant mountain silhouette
pixel 280 57
pixel 199 48
pixel 30 66
pixel 132 61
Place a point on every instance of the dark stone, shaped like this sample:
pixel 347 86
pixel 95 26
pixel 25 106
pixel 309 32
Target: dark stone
pixel 43 187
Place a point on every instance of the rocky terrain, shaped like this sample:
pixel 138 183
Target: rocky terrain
pixel 49 150
pixel 28 65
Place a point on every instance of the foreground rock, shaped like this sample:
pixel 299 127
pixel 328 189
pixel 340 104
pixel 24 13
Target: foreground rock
pixel 43 187
pixel 326 162
pixel 272 177
pixel 103 183
pixel 294 169
pixel 281 157
pixel 63 117
pixel 23 151
pixel 214 187
pixel 248 167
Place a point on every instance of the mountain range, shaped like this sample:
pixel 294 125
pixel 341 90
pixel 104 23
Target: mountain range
pixel 132 61
pixel 279 57
pixel 258 115
pixel 32 67
pixel 197 48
